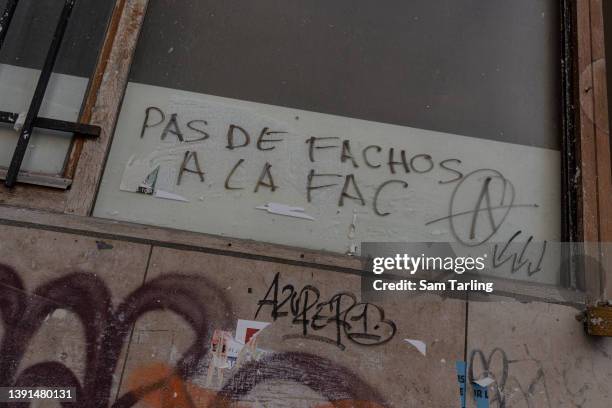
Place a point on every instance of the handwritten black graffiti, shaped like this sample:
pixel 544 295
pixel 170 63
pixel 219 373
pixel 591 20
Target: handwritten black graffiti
pixel 485 364
pixel 106 332
pixel 494 210
pixel 539 380
pixel 239 139
pixel 106 329
pixel 359 322
pixel 518 259
pixel 504 380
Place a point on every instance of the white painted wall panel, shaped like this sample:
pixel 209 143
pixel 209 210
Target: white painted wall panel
pixel 209 207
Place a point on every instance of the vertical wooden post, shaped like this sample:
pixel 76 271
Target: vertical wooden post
pixel 103 103
pixel 594 143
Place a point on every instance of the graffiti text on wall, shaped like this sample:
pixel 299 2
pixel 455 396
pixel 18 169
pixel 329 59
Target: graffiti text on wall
pixel 107 328
pixel 361 323
pixel 239 138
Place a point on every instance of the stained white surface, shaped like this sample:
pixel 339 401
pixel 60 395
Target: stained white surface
pixel 533 172
pixel 47 150
pixel 419 345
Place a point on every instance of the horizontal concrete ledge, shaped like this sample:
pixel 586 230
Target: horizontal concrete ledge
pixel 177 239
pixel 199 242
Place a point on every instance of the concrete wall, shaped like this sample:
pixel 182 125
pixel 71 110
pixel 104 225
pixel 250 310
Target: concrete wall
pixel 116 315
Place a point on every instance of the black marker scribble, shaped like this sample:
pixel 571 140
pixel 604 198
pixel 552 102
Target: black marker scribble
pixel 106 328
pixel 360 322
pixel 518 260
pixel 486 363
pixel 485 205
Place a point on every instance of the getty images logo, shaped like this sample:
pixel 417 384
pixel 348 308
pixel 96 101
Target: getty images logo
pixel 412 264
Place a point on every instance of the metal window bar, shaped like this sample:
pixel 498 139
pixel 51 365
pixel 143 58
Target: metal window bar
pixel 32 120
pixel 6 18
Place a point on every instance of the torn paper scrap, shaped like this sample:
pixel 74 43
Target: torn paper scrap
pixel 461 373
pixel 246 329
pixel 169 196
pixel 20 121
pixel 219 348
pixel 481 395
pixel 485 382
pixel 219 359
pixel 244 348
pixel 419 345
pixel 139 167
pixel 148 185
pixel 233 351
pixel 282 209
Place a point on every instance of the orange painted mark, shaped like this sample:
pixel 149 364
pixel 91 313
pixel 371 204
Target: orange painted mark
pixel 175 393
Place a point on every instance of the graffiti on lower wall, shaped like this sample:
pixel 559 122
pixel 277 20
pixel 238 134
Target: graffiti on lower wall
pixel 107 329
pixel 362 323
pixel 515 386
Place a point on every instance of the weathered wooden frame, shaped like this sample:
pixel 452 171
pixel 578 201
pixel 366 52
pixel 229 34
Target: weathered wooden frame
pixel 587 213
pixel 594 175
pixel 85 162
pixel 103 229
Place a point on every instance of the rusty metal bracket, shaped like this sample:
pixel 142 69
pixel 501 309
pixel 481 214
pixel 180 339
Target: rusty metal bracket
pixel 597 320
